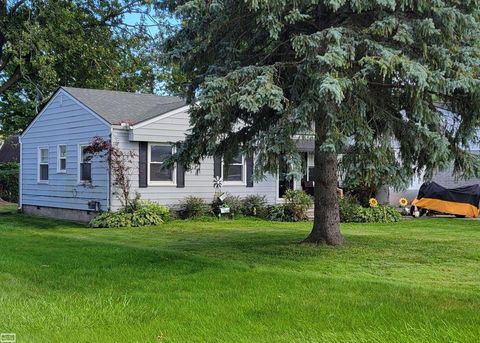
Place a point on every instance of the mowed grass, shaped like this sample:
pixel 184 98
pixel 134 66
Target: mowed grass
pixel 239 281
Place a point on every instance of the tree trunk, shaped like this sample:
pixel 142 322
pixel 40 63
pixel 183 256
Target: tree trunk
pixel 326 224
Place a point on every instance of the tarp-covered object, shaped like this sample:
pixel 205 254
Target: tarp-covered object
pixel 459 201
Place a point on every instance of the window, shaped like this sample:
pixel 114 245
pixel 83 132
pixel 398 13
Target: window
pixel 158 174
pixel 85 165
pixel 43 165
pixel 234 171
pixel 62 159
pixel 311 167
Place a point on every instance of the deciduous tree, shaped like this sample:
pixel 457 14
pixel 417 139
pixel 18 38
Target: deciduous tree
pixel 50 43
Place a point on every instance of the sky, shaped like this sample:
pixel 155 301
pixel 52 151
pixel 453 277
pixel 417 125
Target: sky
pixel 134 18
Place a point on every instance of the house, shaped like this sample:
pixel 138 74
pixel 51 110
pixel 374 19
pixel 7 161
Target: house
pixel 58 179
pixel 10 150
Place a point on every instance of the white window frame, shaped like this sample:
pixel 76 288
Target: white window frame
pixel 149 161
pixel 39 159
pixel 243 182
pixel 79 161
pixel 61 171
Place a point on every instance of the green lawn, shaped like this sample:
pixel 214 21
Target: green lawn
pixel 239 281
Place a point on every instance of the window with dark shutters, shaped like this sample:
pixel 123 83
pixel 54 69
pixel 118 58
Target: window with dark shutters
pixel 159 174
pixel 238 172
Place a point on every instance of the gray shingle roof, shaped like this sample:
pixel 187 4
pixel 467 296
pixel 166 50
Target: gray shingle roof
pixel 116 107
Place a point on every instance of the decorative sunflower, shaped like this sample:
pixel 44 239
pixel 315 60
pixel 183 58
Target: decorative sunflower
pixel 403 202
pixel 373 202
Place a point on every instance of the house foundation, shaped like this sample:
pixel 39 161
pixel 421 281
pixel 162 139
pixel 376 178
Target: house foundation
pixel 59 213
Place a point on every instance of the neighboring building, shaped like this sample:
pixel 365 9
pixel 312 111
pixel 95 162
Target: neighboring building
pixel 444 178
pixel 10 150
pixel 57 181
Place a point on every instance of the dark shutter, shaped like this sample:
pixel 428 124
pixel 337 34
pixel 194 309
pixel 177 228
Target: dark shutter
pixel 249 162
pixel 180 175
pixel 217 167
pixel 143 165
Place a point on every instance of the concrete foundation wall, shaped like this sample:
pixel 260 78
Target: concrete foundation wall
pixel 59 213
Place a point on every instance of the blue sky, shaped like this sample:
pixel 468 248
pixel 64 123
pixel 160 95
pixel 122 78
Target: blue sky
pixel 134 18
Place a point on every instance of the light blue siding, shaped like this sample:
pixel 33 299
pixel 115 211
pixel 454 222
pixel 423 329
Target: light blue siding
pixel 63 121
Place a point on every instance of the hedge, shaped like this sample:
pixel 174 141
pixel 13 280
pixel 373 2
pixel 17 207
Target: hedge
pixel 9 181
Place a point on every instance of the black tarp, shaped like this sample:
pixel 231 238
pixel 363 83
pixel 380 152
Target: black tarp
pixel 467 195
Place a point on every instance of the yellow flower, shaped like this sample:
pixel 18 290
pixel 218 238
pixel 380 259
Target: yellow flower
pixel 373 202
pixel 403 202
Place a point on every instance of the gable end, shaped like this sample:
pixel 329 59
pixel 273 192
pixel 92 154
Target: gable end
pixel 62 92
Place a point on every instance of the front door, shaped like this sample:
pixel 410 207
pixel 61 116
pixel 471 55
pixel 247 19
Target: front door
pixel 285 181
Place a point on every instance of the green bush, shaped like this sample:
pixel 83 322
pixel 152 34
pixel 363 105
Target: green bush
pixel 280 213
pixel 235 204
pixel 297 202
pixel 146 213
pixel 193 207
pixel 112 219
pixel 255 205
pixel 348 206
pixel 149 208
pixel 352 212
pixel 9 174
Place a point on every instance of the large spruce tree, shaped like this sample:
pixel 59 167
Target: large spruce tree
pixel 370 75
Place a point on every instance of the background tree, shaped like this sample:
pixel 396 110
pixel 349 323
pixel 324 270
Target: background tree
pixel 367 74
pixel 51 43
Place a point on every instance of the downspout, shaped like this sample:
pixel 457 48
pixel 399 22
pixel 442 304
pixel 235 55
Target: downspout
pixel 109 198
pixel 20 193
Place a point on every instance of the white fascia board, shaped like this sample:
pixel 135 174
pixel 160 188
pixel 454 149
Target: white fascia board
pixel 159 117
pixel 62 92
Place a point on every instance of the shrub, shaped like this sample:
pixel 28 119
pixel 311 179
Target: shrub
pixel 348 207
pixel 280 213
pixel 298 203
pixel 352 212
pixel 146 213
pixel 112 219
pixel 193 207
pixel 235 204
pixel 149 207
pixel 255 205
pixel 9 174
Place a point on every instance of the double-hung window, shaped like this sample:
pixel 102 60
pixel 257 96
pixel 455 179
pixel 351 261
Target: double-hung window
pixel 43 164
pixel 85 165
pixel 62 159
pixel 234 172
pixel 158 174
